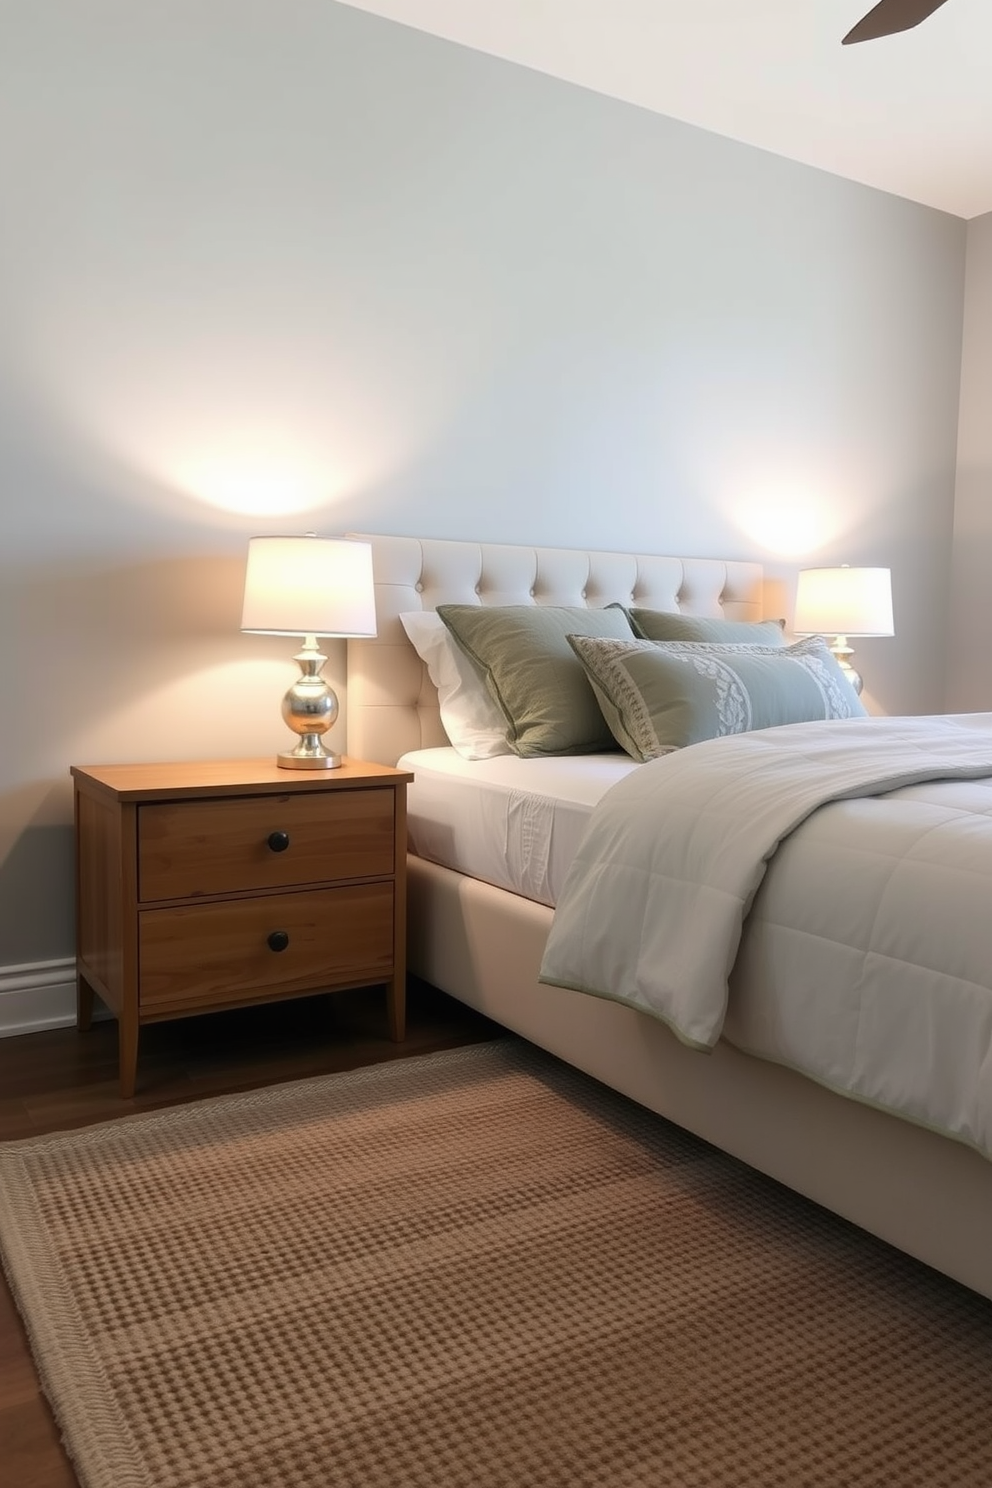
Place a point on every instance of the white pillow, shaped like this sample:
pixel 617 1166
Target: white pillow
pixel 472 720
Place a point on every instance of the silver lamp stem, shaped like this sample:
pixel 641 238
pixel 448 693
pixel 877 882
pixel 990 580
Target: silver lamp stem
pixel 310 708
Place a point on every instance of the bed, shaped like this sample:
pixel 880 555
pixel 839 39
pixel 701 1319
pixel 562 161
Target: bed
pixel 483 942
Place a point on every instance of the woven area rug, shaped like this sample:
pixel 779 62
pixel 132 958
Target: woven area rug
pixel 472 1268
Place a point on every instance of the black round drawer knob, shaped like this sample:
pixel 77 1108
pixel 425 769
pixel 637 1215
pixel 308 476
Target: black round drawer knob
pixel 278 940
pixel 278 841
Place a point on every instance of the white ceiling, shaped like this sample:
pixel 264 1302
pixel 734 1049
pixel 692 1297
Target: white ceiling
pixel 911 113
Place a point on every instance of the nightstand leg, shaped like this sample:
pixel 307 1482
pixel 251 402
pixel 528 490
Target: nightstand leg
pixel 396 1008
pixel 84 1003
pixel 127 1043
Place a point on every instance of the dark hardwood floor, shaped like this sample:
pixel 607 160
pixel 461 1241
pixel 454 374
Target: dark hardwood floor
pixel 61 1079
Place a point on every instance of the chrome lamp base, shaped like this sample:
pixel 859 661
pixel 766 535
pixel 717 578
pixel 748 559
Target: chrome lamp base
pixel 310 707
pixel 308 759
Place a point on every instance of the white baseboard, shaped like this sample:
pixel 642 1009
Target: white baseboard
pixel 42 995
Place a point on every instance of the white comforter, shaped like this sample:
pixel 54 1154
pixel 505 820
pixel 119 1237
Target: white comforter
pixel 859 852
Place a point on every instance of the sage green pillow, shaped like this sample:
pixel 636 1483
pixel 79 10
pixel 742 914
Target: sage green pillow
pixel 661 625
pixel 535 677
pixel 657 697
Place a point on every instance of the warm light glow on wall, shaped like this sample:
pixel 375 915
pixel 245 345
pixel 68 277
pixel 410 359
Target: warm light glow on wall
pixel 280 426
pixel 256 477
pixel 791 524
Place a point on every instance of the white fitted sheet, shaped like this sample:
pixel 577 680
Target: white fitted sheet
pixel 515 823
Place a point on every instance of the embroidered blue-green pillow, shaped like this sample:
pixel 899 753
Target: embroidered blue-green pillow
pixel 660 696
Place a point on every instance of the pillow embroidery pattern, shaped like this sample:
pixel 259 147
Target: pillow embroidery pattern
pixel 733 701
pixel 614 685
pixel 660 696
pixel 836 693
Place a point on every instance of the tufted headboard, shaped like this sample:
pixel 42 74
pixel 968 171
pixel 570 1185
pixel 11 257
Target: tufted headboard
pixel 392 704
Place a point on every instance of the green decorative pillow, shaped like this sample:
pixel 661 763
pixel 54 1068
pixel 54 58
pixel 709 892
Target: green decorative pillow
pixel 657 697
pixel 534 675
pixel 661 625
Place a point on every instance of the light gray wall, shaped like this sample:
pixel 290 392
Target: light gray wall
pixel 969 652
pixel 278 265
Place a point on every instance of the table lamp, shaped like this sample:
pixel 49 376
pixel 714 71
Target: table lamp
pixel 843 602
pixel 309 586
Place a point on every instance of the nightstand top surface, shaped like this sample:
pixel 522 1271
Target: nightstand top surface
pixel 228 777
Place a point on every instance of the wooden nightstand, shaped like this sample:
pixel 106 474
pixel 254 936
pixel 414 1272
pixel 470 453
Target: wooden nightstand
pixel 209 886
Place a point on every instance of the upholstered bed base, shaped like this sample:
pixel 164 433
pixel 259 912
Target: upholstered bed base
pixel 921 1192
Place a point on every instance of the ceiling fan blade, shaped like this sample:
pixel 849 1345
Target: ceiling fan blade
pixel 890 16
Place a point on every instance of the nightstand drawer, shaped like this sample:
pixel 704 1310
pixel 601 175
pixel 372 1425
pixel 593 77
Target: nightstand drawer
pixel 209 955
pixel 237 844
